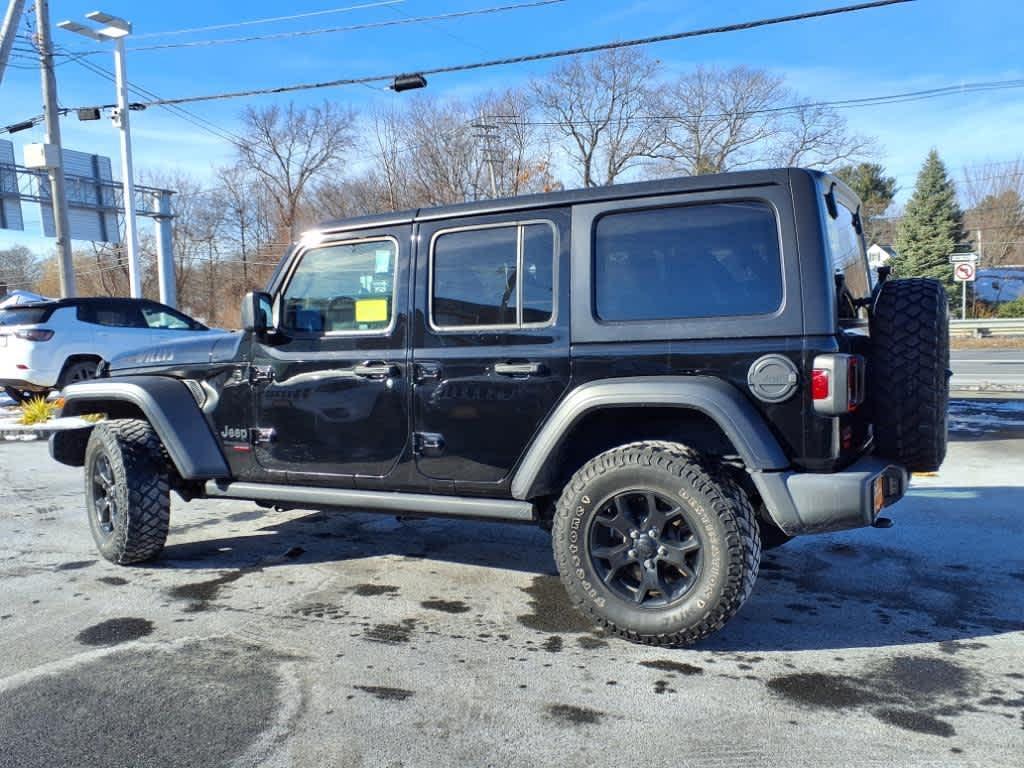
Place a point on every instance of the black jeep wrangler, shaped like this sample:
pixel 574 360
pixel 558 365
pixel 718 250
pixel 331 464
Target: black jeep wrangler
pixel 669 375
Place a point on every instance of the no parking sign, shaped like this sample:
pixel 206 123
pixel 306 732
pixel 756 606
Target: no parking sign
pixel 964 272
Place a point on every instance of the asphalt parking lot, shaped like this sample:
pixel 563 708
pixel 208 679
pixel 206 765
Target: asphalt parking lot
pixel 307 639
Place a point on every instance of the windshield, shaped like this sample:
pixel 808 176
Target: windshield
pixel 25 315
pixel 846 251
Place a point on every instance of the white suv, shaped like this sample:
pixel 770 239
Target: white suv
pixel 47 345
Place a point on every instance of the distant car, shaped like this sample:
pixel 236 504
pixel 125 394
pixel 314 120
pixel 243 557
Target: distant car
pixel 20 297
pixel 45 345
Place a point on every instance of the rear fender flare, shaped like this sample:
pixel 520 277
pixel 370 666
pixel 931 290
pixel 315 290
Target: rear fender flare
pixel 719 400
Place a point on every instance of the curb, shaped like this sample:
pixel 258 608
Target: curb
pixel 11 430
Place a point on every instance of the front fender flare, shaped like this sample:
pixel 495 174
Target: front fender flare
pixel 718 400
pixel 171 410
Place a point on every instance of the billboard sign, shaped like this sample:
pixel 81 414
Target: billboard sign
pixel 92 198
pixel 10 195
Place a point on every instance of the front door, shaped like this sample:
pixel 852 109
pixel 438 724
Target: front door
pixel 330 383
pixel 491 353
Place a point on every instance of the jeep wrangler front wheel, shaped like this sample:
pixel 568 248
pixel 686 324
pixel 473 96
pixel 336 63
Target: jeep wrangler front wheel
pixel 127 493
pixel 656 544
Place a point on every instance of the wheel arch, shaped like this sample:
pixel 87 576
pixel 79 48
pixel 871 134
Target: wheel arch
pixel 705 412
pixel 166 404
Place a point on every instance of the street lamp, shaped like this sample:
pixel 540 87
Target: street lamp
pixel 116 29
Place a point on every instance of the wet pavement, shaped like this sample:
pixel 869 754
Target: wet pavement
pixel 309 639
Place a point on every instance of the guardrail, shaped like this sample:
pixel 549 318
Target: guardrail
pixel 1012 326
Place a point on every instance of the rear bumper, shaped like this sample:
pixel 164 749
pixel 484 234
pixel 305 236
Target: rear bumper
pixel 31 378
pixel 803 502
pixel 27 384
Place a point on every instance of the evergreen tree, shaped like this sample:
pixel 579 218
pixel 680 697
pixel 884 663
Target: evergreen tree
pixel 876 192
pixel 931 228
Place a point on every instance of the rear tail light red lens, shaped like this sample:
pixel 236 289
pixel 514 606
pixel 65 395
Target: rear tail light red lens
pixel 819 384
pixel 34 334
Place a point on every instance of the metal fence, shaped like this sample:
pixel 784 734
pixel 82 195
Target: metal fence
pixel 1013 326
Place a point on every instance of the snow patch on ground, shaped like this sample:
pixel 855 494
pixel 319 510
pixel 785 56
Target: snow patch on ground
pixel 983 417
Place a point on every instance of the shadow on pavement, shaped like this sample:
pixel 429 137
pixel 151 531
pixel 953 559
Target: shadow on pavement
pixel 941 575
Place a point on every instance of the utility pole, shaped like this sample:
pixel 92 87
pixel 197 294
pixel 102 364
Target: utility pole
pixel 57 190
pixel 8 31
pixel 116 30
pixel 487 132
pixel 165 249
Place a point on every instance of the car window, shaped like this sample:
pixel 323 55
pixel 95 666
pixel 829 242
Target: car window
pixel 693 261
pixel 112 314
pixel 344 287
pixel 493 277
pixel 846 249
pixel 164 318
pixel 25 315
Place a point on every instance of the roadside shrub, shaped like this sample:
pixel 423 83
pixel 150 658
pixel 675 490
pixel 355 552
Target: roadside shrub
pixel 37 411
pixel 1013 308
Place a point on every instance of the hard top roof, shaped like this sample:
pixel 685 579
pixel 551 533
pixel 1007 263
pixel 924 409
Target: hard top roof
pixel 733 180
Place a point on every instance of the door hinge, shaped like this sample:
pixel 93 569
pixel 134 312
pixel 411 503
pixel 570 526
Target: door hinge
pixel 259 373
pixel 427 443
pixel 261 435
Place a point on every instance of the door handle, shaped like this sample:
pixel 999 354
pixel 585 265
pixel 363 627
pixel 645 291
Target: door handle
pixel 370 370
pixel 519 369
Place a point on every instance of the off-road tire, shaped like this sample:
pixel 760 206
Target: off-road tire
pixel 141 491
pixel 908 372
pixel 725 522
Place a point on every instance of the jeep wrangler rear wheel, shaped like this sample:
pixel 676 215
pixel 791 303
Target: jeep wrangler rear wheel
pixel 127 493
pixel 656 544
pixel 908 379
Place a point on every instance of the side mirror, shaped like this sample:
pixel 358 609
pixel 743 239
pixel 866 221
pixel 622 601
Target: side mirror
pixel 257 307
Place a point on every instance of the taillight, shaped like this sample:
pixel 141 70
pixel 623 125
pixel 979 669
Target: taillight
pixel 837 384
pixel 819 384
pixel 34 334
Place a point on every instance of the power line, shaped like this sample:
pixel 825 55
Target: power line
pixel 349 28
pixel 866 101
pixel 536 56
pixel 268 20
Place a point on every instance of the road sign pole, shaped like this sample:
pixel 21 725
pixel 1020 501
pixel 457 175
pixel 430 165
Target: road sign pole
pixel 963 305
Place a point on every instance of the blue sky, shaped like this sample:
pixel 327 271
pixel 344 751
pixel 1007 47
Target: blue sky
pixel 925 44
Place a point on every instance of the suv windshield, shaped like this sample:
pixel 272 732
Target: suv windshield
pixel 25 315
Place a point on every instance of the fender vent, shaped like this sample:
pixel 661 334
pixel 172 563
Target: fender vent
pixel 198 393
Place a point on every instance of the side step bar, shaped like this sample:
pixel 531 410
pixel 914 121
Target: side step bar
pixel 376 501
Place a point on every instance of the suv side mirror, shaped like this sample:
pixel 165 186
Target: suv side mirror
pixel 257 308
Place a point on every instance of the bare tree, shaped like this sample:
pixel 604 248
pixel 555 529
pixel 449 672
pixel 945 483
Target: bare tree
pixel 19 269
pixel 598 108
pixel 816 136
pixel 994 202
pixel 719 120
pixel 289 148
pixel 514 144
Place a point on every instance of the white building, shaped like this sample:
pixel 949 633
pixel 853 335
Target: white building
pixel 880 255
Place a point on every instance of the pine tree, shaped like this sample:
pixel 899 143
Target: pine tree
pixel 876 192
pixel 931 228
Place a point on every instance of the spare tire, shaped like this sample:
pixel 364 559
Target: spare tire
pixel 908 372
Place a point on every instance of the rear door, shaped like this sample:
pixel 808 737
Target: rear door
pixel 330 386
pixel 491 352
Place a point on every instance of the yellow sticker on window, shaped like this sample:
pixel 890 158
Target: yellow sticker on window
pixel 372 311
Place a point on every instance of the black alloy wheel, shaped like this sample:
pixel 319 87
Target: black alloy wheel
pixel 644 549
